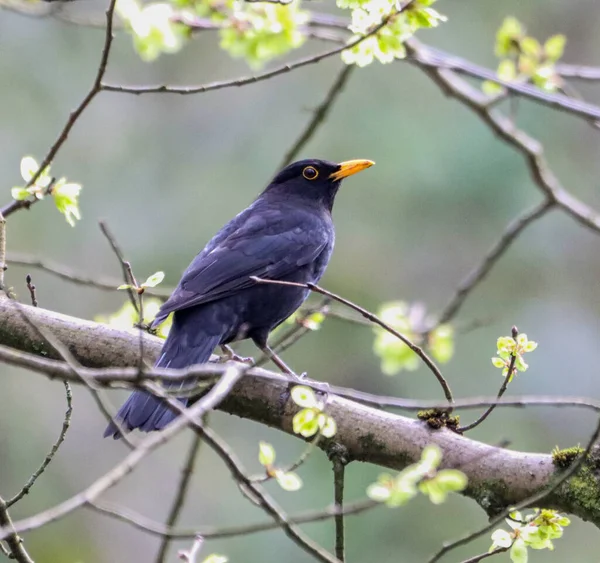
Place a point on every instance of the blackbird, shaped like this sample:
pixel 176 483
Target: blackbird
pixel 286 234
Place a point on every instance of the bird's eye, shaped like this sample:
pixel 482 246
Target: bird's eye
pixel 310 173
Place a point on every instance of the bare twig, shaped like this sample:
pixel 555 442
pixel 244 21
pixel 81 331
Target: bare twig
pixel 182 489
pixel 2 250
pixel 16 549
pixel 75 114
pixel 319 116
pixel 69 275
pixel 61 438
pixel 374 319
pixel 339 468
pixel 190 555
pixel 31 287
pixel 125 266
pixel 483 556
pixel 158 529
pixel 476 276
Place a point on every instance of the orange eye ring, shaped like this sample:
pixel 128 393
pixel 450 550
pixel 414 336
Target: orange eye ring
pixel 310 173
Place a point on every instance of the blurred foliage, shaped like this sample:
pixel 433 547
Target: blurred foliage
pixel 261 31
pixel 127 317
pixel 395 355
pixel 423 476
pixel 525 58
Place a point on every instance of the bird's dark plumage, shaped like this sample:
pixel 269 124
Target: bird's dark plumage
pixel 286 234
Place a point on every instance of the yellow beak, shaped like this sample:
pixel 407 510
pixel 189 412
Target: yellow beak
pixel 350 167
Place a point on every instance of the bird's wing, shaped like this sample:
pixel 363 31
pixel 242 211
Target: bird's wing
pixel 264 245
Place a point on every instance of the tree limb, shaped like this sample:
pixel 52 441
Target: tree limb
pixel 497 477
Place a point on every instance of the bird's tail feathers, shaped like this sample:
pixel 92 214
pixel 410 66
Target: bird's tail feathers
pixel 147 412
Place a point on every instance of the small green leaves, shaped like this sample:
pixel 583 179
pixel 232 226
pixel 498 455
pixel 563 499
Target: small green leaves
pixel 288 481
pixel 525 59
pixel 507 347
pixel 555 47
pixel 154 279
pixel 259 32
pixel 66 199
pixel 311 419
pixel 394 354
pixel 65 194
pixel 154 31
pixel 127 317
pixel 303 396
pixel 266 454
pixel 446 481
pixel 508 36
pixel 29 167
pixel 213 558
pixel 388 43
pixel 422 476
pixel 19 193
pixel 536 530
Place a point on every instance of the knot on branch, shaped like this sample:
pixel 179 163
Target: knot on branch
pixel 338 453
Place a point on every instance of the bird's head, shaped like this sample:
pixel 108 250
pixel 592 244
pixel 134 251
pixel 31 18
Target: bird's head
pixel 314 180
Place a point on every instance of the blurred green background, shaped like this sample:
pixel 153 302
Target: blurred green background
pixel 167 171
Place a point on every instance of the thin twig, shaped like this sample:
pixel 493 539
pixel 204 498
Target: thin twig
pixel 75 114
pixel 374 319
pixel 61 438
pixel 31 287
pixel 255 491
pixel 483 556
pixel 319 116
pixel 69 275
pixel 159 529
pixel 503 388
pixel 15 545
pixel 339 468
pixel 190 555
pixel 180 495
pixel 2 250
pixel 299 329
pixel 125 266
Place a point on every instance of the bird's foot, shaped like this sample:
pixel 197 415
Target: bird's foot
pixel 231 356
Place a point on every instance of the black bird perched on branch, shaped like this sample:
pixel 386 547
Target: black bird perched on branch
pixel 287 234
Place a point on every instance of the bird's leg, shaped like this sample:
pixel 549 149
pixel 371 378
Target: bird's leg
pixel 232 356
pixel 270 353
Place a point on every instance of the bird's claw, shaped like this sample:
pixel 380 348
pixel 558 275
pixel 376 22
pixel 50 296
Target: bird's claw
pixel 231 356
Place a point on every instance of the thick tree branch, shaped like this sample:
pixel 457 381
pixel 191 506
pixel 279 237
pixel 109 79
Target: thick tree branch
pixel 497 477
